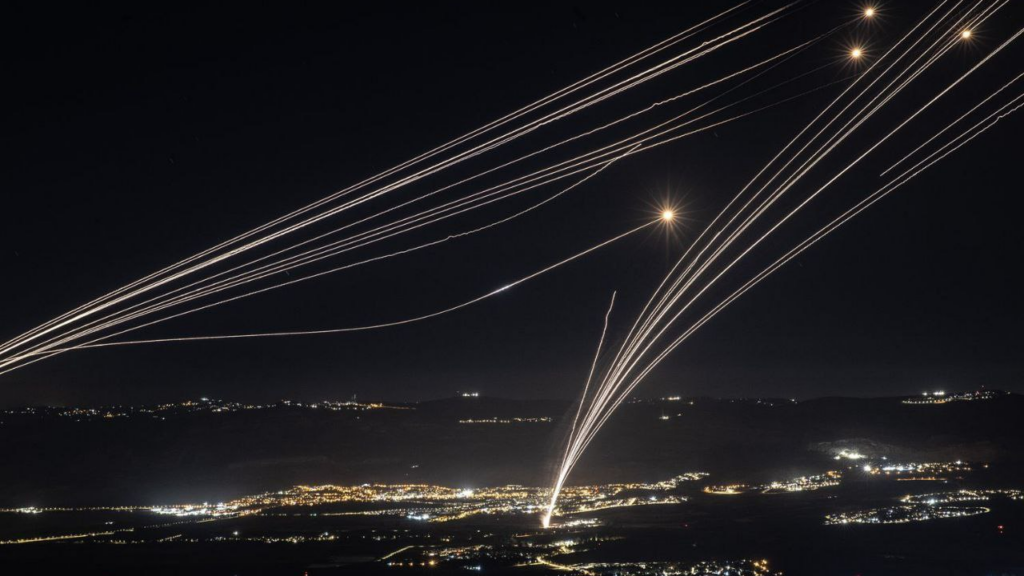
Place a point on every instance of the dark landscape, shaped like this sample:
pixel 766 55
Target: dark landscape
pixel 92 461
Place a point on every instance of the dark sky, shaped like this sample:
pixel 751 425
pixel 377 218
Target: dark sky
pixel 135 137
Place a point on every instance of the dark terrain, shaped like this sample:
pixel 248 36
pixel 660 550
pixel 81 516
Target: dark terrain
pixel 215 451
pixel 205 455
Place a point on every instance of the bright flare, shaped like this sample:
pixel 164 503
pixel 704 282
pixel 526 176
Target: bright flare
pixel 966 34
pixel 869 12
pixel 856 53
pixel 668 215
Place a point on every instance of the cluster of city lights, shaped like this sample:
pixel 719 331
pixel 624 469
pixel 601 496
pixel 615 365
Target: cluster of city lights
pixel 545 549
pixel 698 568
pixel 924 507
pixel 185 408
pixel 940 397
pixel 963 495
pixel 918 470
pixel 515 420
pixel 829 479
pixel 431 503
pixel 904 514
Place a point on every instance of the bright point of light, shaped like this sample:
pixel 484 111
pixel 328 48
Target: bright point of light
pixel 869 12
pixel 668 215
pixel 867 467
pixel 856 53
pixel 966 34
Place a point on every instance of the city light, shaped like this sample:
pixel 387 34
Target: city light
pixel 941 397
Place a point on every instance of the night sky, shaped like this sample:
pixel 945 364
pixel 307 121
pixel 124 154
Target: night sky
pixel 138 137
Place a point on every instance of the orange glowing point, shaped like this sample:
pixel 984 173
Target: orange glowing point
pixel 856 53
pixel 869 12
pixel 668 215
pixel 966 34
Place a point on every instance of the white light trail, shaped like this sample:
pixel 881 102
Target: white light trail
pixel 412 320
pixel 630 365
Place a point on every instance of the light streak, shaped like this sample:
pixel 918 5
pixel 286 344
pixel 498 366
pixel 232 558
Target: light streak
pixel 412 320
pixel 652 72
pixel 629 367
pixel 604 401
pixel 484 129
pixel 648 142
pixel 546 518
pixel 40 352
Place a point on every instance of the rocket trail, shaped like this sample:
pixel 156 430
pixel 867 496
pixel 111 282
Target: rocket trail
pixel 278 267
pixel 783 188
pixel 606 72
pixel 231 248
pixel 652 72
pixel 412 320
pixel 714 222
pixel 58 343
pixel 627 367
pixel 546 520
pixel 893 185
pixel 665 307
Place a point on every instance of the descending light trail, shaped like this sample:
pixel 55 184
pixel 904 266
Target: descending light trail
pixel 643 348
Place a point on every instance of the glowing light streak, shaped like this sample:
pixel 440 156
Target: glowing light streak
pixel 612 391
pixel 635 147
pixel 119 295
pixel 412 320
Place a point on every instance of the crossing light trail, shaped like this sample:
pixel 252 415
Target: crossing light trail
pixel 952 124
pixel 524 111
pixel 643 140
pixel 714 225
pixel 159 279
pixel 606 72
pixel 411 320
pixel 728 240
pixel 45 350
pixel 645 346
pixel 603 400
pixel 163 289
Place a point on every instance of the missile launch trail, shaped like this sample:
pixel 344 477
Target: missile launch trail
pixel 667 305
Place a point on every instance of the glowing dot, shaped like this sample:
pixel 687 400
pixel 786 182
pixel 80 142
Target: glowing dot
pixel 856 53
pixel 869 12
pixel 668 215
pixel 966 34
